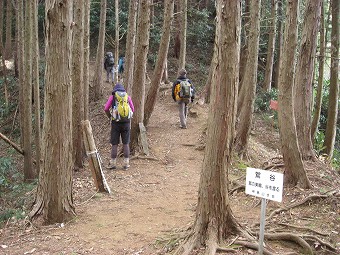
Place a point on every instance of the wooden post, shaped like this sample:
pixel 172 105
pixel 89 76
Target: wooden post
pixel 92 153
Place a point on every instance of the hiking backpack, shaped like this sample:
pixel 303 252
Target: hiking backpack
pixel 185 89
pixel 110 61
pixel 122 106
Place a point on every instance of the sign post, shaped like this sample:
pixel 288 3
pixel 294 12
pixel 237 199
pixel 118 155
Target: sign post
pixel 266 185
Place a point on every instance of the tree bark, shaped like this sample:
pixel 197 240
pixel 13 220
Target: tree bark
pixel 86 57
pixel 35 82
pixel 245 107
pixel 303 83
pixel 98 74
pixel 183 33
pixel 29 173
pixel 244 41
pixel 160 63
pixel 267 84
pixel 78 83
pixel 8 43
pixel 214 220
pixel 116 39
pixel 20 49
pixel 54 192
pixel 2 53
pixel 130 46
pixel 334 82
pixel 294 168
pixel 318 100
pixel 138 89
pixel 279 44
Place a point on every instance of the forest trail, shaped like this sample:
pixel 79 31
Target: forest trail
pixel 148 201
pixel 154 200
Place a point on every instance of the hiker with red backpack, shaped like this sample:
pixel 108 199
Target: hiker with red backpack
pixel 119 109
pixel 183 92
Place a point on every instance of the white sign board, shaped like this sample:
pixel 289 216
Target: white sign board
pixel 264 184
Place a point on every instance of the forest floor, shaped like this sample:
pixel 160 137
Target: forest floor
pixel 153 203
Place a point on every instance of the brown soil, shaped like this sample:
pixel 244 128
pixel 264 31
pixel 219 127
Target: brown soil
pixel 153 203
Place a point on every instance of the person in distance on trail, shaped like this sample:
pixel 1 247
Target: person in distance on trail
pixel 183 92
pixel 109 66
pixel 121 62
pixel 119 109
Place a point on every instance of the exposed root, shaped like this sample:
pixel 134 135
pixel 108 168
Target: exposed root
pixel 188 245
pixel 291 237
pixel 307 199
pixel 272 166
pixel 241 187
pixel 303 228
pixel 321 242
pixel 211 242
pixel 253 246
pixel 221 249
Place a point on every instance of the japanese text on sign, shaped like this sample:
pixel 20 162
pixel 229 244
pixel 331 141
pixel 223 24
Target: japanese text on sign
pixel 264 184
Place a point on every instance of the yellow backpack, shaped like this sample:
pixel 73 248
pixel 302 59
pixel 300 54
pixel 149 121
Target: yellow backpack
pixel 122 106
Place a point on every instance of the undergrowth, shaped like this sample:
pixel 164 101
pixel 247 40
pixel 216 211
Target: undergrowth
pixel 13 190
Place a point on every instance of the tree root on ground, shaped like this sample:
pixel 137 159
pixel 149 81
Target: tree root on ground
pixel 303 228
pixel 253 246
pixel 240 187
pixel 307 199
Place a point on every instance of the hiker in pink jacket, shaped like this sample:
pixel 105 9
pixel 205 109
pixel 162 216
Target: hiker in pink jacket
pixel 120 125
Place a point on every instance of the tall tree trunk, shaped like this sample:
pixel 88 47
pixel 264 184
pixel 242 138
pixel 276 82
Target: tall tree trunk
pixel 130 46
pixel 54 192
pixel 138 89
pixel 183 33
pixel 244 41
pixel 245 107
pixel 279 43
pixel 294 169
pixel 35 81
pixel 334 82
pixel 267 84
pixel 29 173
pixel 20 24
pixel 322 52
pixel 160 63
pixel 2 9
pixel 8 43
pixel 87 9
pixel 214 220
pixel 116 40
pixel 78 83
pixel 304 78
pixel 2 54
pixel 98 74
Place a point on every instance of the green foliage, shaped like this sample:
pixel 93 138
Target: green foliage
pixel 201 32
pixel 319 142
pixel 11 213
pixel 336 159
pixel 12 190
pixel 263 98
pixel 7 110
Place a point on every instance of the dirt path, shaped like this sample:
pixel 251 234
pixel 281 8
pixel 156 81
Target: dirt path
pixel 148 201
pixel 156 198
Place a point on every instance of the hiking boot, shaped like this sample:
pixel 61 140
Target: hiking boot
pixel 112 164
pixel 126 163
